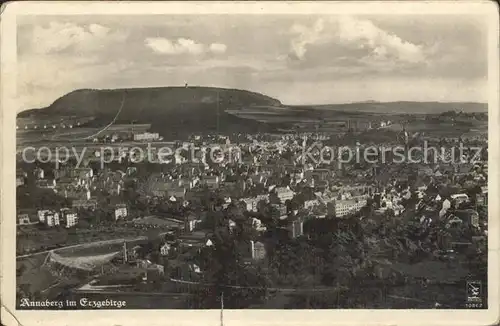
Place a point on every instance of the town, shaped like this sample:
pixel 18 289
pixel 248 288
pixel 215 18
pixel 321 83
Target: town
pixel 265 227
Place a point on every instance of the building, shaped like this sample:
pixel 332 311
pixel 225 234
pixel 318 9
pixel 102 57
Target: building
pixel 39 173
pixel 51 218
pixel 120 211
pixel 468 216
pixel 459 198
pixel 258 250
pixel 482 198
pixel 284 193
pixel 41 215
pixel 257 225
pixel 75 193
pixel 82 173
pixel 69 217
pixel 281 209
pixel 252 202
pixel 310 203
pixel 348 206
pixel 165 249
pixel 146 136
pixel 46 184
pixel 188 182
pixel 159 187
pixel 19 181
pixel 296 228
pixel 317 174
pixel 85 204
pixel 23 219
pixel 190 222
pixel 211 181
pixel 177 192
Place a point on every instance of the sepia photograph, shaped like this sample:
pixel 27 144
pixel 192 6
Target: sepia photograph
pixel 251 159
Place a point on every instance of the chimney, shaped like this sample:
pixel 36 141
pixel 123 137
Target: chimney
pixel 252 249
pixel 125 256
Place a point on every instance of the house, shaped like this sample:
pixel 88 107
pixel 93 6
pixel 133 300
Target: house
pixel 82 173
pixel 120 211
pixel 177 192
pixel 211 181
pixel 231 225
pixel 19 181
pixel 252 202
pixel 482 198
pixel 153 272
pixel 146 136
pixel 69 217
pixel 258 250
pixel 41 215
pixel 194 268
pixel 260 178
pixel 39 173
pixel 83 203
pixel 310 203
pixel 76 193
pixel 131 171
pixel 453 221
pixel 51 218
pixel 347 206
pixel 281 208
pixel 284 193
pixel 21 173
pixel 190 222
pixel 317 174
pixel 468 216
pixel 188 183
pixel 296 228
pixel 23 219
pixel 67 182
pixel 165 249
pixel 460 198
pixel 257 224
pixel 227 202
pixel 159 187
pixel 320 185
pixel 46 184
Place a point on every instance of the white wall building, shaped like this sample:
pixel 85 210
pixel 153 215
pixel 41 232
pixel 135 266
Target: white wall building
pixel 345 207
pixel 120 211
pixel 146 136
pixel 69 217
pixel 52 219
pixel 284 193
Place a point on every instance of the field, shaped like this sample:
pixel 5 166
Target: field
pixel 77 134
pixel 30 239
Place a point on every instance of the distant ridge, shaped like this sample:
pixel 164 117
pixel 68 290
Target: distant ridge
pixel 402 107
pixel 169 109
pixel 182 110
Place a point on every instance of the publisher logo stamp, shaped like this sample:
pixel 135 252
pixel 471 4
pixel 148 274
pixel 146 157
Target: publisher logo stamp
pixel 474 294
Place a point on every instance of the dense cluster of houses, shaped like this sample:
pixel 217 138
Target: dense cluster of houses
pixel 270 178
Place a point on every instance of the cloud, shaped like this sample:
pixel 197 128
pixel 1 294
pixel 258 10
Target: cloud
pixel 182 46
pixel 57 37
pixel 218 48
pixel 305 37
pixel 382 44
pixel 357 34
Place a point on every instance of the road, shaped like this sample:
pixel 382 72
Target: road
pixel 283 290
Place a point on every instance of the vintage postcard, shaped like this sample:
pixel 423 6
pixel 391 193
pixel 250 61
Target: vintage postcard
pixel 249 163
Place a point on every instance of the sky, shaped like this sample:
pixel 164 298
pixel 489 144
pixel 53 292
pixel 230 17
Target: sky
pixel 297 59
